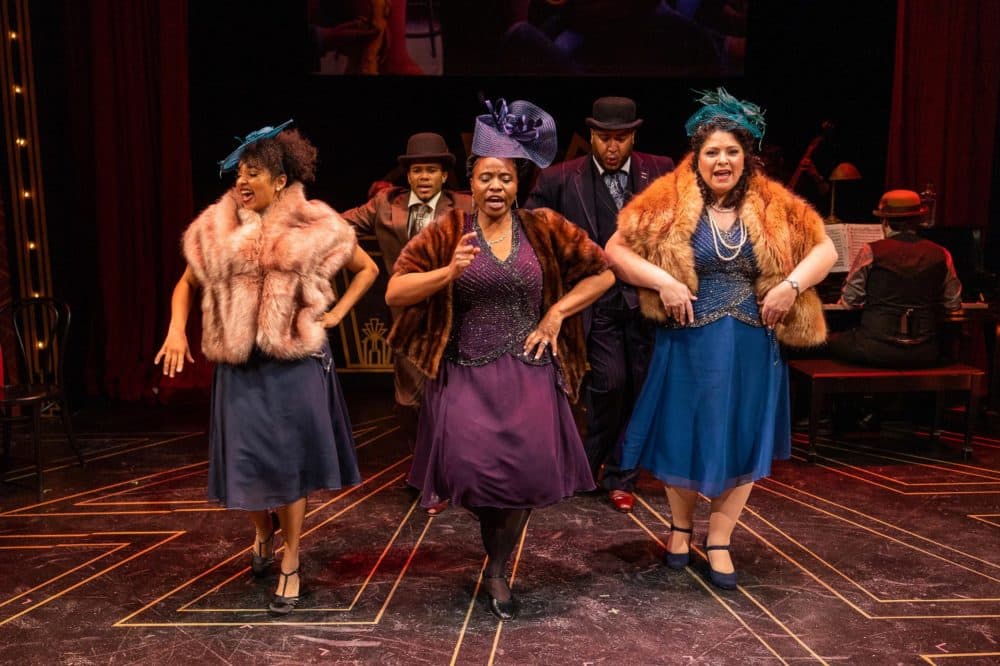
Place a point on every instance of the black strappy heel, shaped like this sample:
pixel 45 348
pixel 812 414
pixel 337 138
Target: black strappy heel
pixel 678 560
pixel 725 581
pixel 259 564
pixel 282 605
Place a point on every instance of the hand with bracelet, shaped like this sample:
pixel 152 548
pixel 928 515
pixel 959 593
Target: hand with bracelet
pixel 778 301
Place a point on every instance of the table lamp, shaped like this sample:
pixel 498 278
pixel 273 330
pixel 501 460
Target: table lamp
pixel 843 171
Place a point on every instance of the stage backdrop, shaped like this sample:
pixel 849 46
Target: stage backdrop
pixel 142 98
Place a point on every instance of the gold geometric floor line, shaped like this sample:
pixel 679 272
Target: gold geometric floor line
pixel 71 461
pixel 896 456
pixel 132 486
pixel 127 621
pixel 803 439
pixel 844 599
pixel 917 493
pixel 21 512
pixel 717 597
pixel 513 579
pixel 460 640
pixel 981 517
pixel 764 487
pixel 206 504
pixel 305 533
pixel 850 604
pixel 115 547
pixel 992 476
pixel 934 658
pixel 186 608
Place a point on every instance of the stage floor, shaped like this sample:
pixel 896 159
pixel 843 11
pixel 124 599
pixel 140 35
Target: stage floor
pixel 884 552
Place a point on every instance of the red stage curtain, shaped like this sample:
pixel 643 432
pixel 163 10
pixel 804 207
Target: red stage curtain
pixel 944 106
pixel 143 186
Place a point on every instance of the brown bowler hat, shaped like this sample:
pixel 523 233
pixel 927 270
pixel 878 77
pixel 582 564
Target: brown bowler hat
pixel 613 113
pixel 427 147
pixel 900 203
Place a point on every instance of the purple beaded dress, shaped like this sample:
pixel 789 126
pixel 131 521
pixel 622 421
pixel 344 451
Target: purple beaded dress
pixel 496 429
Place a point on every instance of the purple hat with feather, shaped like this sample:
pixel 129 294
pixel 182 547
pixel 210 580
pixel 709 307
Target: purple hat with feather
pixel 519 130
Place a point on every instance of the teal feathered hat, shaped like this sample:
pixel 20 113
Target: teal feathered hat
pixel 233 159
pixel 720 104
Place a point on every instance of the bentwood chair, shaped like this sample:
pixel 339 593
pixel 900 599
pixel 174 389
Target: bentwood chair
pixel 41 331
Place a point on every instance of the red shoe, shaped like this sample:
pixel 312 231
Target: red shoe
pixel 622 499
pixel 435 509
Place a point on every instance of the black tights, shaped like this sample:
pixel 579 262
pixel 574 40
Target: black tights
pixel 501 529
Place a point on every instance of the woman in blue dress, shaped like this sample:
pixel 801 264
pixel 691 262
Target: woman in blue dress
pixel 726 259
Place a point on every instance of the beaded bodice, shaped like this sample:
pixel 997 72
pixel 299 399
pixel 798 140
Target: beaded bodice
pixel 725 288
pixel 496 303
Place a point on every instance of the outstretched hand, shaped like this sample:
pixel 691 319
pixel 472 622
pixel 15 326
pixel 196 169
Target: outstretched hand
pixel 173 354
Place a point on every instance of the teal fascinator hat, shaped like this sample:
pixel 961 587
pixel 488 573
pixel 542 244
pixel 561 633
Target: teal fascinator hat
pixel 233 158
pixel 720 104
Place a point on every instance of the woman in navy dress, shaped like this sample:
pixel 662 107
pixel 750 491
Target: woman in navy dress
pixel 264 257
pixel 726 258
pixel 490 302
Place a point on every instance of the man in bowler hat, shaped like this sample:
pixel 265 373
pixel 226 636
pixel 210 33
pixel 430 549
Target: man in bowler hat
pixel 397 214
pixel 590 191
pixel 902 284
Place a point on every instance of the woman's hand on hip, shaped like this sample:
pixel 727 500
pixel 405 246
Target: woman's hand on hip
pixel 464 253
pixel 545 336
pixel 776 303
pixel 173 353
pixel 330 319
pixel 677 300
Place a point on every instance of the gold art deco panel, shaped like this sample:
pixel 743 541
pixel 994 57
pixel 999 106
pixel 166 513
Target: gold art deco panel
pixel 362 334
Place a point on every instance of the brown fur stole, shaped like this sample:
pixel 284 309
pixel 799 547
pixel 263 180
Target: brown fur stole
pixel 658 225
pixel 266 279
pixel 566 256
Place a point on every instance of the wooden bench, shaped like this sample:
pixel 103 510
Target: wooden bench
pixel 828 377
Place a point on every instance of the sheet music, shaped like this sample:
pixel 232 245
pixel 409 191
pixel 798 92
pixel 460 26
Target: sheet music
pixel 848 239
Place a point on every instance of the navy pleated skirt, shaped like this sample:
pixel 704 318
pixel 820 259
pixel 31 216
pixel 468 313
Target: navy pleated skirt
pixel 279 431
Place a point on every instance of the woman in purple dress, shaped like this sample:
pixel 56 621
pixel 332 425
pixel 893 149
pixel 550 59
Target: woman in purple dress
pixel 490 299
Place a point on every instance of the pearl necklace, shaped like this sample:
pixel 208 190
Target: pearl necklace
pixel 719 239
pixel 719 209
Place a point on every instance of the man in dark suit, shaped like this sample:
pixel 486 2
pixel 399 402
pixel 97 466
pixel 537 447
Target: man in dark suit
pixel 590 191
pixel 395 215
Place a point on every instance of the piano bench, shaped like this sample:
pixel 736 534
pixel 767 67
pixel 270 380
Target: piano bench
pixel 829 377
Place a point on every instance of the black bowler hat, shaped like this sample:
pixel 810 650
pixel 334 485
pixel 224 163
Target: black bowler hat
pixel 427 147
pixel 613 113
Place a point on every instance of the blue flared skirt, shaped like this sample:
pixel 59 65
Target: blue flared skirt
pixel 714 411
pixel 279 430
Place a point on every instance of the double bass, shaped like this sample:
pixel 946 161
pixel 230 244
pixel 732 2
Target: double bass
pixel 826 128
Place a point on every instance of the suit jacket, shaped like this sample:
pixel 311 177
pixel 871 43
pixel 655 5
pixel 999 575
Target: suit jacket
pixel 386 215
pixel 576 190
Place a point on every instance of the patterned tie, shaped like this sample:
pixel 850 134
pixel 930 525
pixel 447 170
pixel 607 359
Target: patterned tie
pixel 420 214
pixel 616 182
